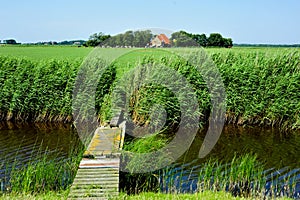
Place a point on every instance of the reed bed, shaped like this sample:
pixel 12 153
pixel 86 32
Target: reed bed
pixel 262 87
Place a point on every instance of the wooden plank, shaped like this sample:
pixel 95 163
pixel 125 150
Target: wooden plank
pixel 101 163
pixel 98 173
pixel 98 180
pixel 122 135
pixel 95 190
pixel 95 186
pixel 83 176
pixel 94 172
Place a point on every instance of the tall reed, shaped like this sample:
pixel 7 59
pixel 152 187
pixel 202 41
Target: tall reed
pixel 44 171
pixel 262 87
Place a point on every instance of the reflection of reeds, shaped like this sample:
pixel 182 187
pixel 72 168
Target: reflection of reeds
pixel 44 171
pixel 242 175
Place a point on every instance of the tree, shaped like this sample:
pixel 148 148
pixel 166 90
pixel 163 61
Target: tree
pixel 116 40
pixel 215 40
pixel 142 38
pixel 201 39
pixel 183 39
pixel 97 39
pixel 228 42
pixel 128 38
pixel 10 41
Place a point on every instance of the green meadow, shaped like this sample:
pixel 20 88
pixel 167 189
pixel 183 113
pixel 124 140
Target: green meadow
pixel 74 52
pixel 45 52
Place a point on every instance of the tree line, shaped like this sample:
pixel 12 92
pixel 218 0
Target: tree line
pixel 268 45
pixel 184 39
pixel 143 38
pixel 129 39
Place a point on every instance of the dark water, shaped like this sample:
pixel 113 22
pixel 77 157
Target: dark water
pixel 280 153
pixel 22 143
pixel 272 147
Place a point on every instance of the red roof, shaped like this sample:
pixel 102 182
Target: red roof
pixel 163 37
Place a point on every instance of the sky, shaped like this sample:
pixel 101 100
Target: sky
pixel 245 21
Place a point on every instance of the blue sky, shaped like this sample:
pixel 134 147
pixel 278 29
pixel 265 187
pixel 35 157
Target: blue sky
pixel 245 21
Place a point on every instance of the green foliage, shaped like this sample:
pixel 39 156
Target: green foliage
pixel 239 173
pixel 61 195
pixel 201 39
pixel 207 195
pixel 262 86
pixel 33 91
pixel 241 176
pixel 228 42
pixel 184 39
pixel 145 145
pixel 97 39
pixel 43 173
pixel 215 40
pixel 130 38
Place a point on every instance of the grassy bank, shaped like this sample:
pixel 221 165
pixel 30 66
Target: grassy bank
pixel 207 195
pixel 32 196
pixel 242 177
pixel 262 86
pixel 146 196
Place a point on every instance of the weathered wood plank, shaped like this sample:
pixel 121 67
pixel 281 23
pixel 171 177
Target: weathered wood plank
pixel 98 173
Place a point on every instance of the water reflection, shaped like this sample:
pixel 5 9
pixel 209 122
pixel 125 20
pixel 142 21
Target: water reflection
pixel 278 152
pixel 21 143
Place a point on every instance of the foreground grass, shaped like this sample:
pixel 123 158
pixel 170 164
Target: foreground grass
pixel 196 196
pixel 48 196
pixel 207 195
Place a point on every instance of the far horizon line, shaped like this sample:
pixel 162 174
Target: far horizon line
pixel 234 44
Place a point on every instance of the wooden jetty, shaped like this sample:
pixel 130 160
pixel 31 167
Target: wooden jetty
pixel 98 173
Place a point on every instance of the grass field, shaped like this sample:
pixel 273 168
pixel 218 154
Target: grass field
pixel 74 52
pixel 45 52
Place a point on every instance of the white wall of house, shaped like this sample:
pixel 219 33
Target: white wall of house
pixel 156 42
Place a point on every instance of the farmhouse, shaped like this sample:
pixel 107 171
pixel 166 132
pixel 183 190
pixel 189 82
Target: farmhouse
pixel 160 40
